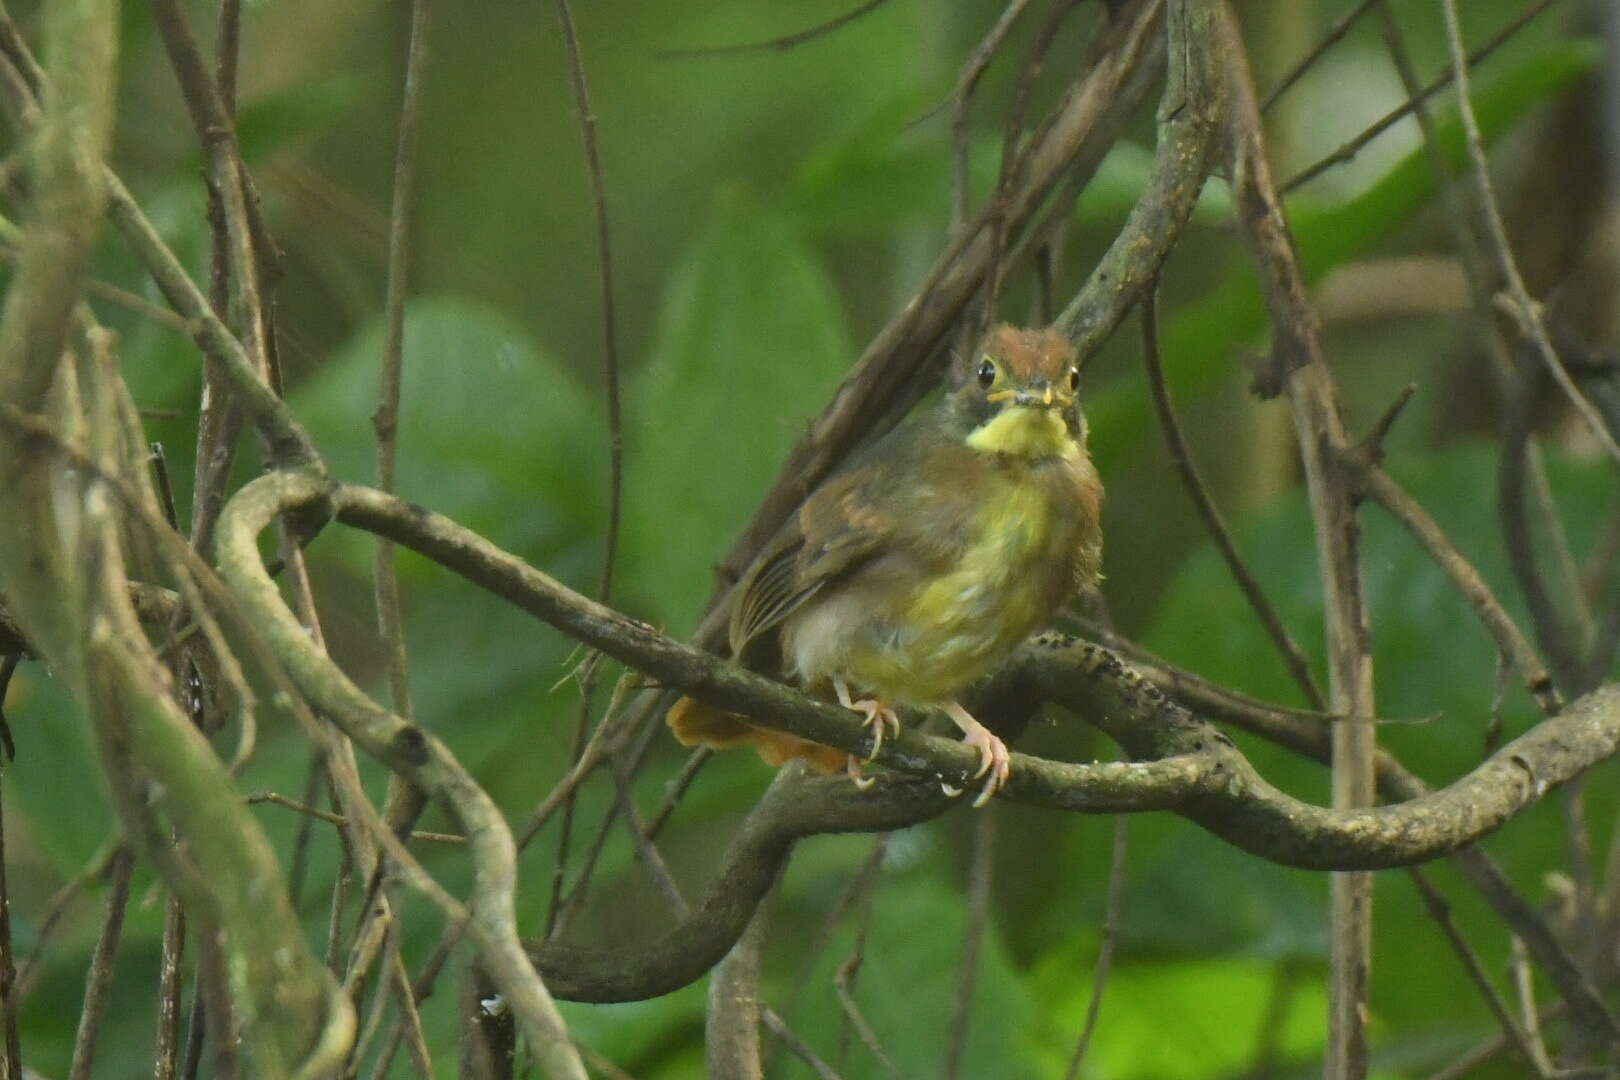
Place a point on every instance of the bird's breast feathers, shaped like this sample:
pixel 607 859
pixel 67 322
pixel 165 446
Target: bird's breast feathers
pixel 919 634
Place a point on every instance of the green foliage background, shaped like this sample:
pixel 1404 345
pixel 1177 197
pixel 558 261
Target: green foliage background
pixel 770 211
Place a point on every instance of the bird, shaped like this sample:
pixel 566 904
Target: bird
pixel 918 567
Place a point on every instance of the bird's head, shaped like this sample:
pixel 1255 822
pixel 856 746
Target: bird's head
pixel 1018 394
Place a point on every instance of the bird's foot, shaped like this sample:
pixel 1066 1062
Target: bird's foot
pixel 852 766
pixel 880 717
pixel 993 756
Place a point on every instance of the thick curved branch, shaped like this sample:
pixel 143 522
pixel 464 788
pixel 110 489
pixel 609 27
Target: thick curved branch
pixel 404 747
pixel 1210 780
pixel 1100 787
pixel 1189 766
pixel 1251 814
pixel 1189 136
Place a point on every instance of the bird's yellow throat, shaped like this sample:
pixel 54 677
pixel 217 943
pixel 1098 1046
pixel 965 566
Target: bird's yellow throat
pixel 1025 431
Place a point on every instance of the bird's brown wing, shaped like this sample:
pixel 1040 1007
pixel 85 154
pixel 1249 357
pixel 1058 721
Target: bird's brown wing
pixel 836 529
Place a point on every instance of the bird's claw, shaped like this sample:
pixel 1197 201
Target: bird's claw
pixel 852 766
pixel 950 792
pixel 994 758
pixel 879 716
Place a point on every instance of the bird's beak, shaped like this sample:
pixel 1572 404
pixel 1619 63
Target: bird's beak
pixel 1041 398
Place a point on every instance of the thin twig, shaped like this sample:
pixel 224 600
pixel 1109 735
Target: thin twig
pixel 1524 985
pixel 1110 940
pixel 123 298
pixel 98 980
pixel 966 83
pixel 381 990
pixel 1516 471
pixel 415 1038
pixel 171 987
pixel 646 850
pixel 1468 581
pixel 1400 112
pixel 861 883
pixel 1468 1063
pixel 403 803
pixel 1440 911
pixel 981 877
pixel 795 1045
pixel 678 787
pixel 1181 455
pixel 298 870
pixel 338 819
pixel 1518 303
pixel 1011 161
pixel 11 1068
pixel 57 907
pixel 599 1061
pixel 1299 367
pixel 844 986
pixel 786 41
pixel 615 419
pixel 1331 37
pixel 385 420
pixel 235 280
pixel 575 897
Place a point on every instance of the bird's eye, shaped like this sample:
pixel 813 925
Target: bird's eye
pixel 986 373
pixel 1074 380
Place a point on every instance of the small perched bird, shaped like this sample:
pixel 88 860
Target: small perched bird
pixel 924 562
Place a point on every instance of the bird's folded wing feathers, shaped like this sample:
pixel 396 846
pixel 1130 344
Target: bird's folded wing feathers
pixel 837 528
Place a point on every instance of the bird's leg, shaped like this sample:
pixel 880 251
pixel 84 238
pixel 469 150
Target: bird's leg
pixel 879 716
pixel 993 756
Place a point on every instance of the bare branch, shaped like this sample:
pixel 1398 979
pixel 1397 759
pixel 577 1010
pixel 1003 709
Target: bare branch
pixel 786 41
pixel 1517 304
pixel 1401 112
pixel 1181 455
pixel 1440 911
pixel 385 582
pixel 981 875
pixel 11 1067
pixel 98 979
pixel 1105 952
pixel 404 747
pixel 1331 37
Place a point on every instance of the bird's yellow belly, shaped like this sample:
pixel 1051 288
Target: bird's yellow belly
pixel 937 637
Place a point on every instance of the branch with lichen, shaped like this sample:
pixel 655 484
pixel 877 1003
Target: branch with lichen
pixel 1184 764
pixel 62 571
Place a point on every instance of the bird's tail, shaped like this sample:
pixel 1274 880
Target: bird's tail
pixel 697 724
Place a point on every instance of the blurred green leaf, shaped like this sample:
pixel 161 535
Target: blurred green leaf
pixel 1172 1020
pixel 302 110
pixel 54 755
pixel 751 339
pixel 906 989
pixel 1200 896
pixel 640 1035
pixel 492 431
